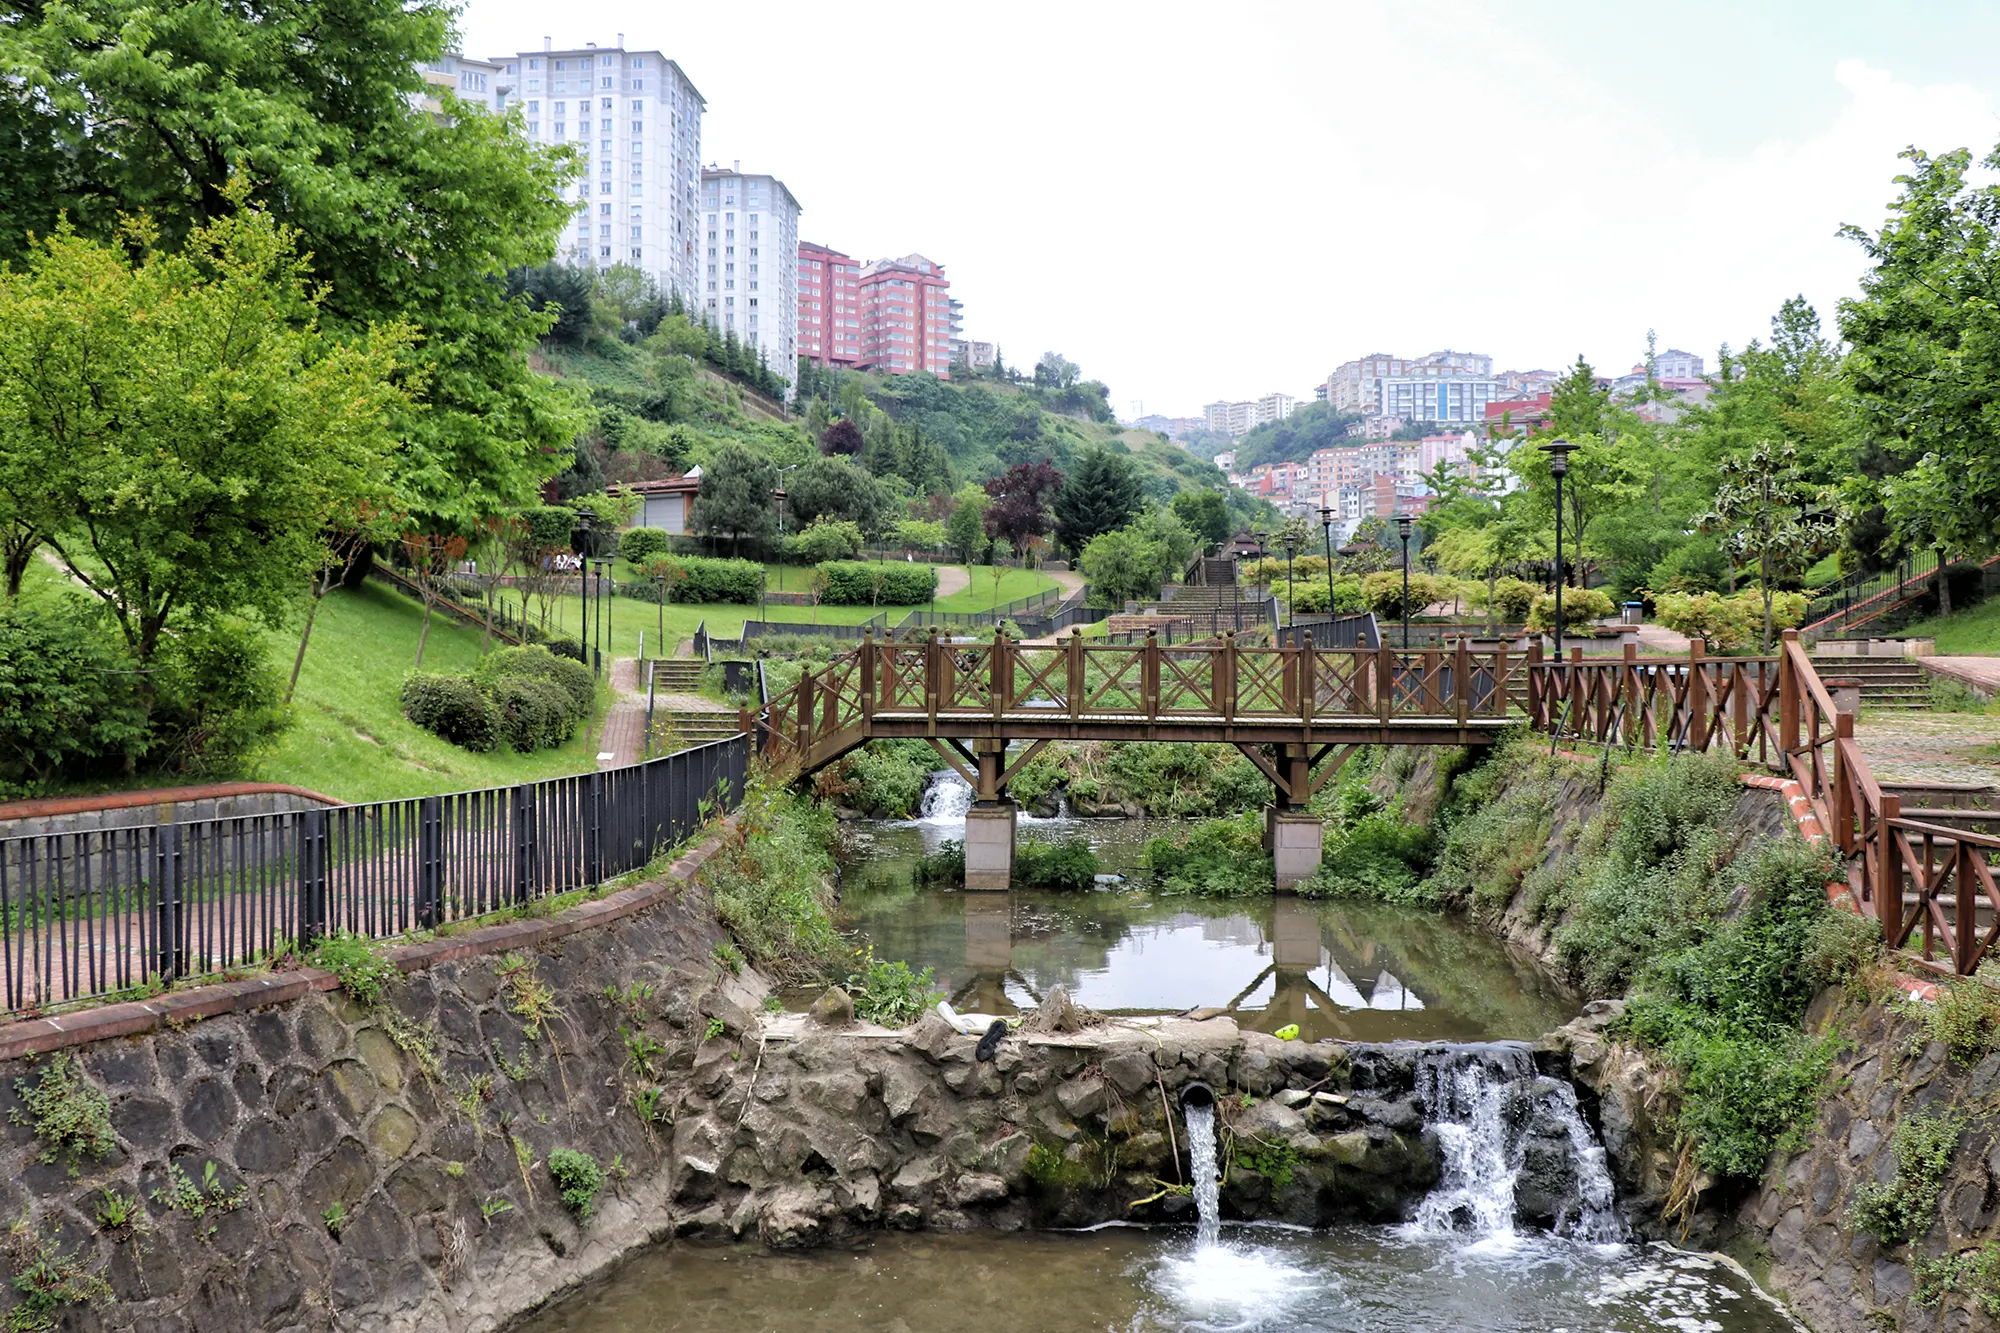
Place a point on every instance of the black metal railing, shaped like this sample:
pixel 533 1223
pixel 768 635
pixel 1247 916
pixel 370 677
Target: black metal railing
pixel 1348 631
pixel 90 914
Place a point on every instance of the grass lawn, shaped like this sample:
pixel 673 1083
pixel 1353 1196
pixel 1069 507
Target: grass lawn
pixel 348 736
pixel 1974 633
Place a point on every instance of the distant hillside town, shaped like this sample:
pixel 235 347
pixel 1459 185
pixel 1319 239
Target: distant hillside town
pixel 1399 419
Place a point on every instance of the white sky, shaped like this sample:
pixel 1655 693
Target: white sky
pixel 1202 201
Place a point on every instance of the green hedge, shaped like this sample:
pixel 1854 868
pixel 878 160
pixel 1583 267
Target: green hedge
pixel 452 708
pixel 529 697
pixel 639 545
pixel 852 583
pixel 712 580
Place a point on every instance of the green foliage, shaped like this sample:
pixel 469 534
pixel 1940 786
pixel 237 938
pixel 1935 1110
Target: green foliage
pixel 1070 865
pixel 1383 592
pixel 638 545
pixel 1975 1273
pixel 1906 1207
pixel 886 778
pixel 183 1195
pixel 1966 1018
pixel 336 1218
pixel 1727 623
pixel 118 1211
pixel 826 539
pixel 1219 858
pixel 534 712
pixel 1131 563
pixel 726 953
pixel 1375 854
pixel 1206 514
pixel 361 965
pixel 1100 493
pixel 1744 1097
pixel 716 1027
pixel 735 498
pixel 1494 827
pixel 966 528
pixel 943 868
pixel 1580 607
pixel 67 703
pixel 48 1279
pixel 452 708
pixel 889 993
pixel 217 700
pixel 1952 696
pixel 772 885
pixel 533 661
pixel 1175 779
pixel 71 1116
pixel 837 491
pixel 920 534
pixel 889 583
pixel 704 580
pixel 578 1176
pixel 1277 1162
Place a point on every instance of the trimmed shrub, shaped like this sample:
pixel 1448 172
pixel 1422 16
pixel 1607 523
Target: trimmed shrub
pixel 573 678
pixel 639 545
pixel 1512 599
pixel 452 708
pixel 714 580
pixel 569 648
pixel 535 712
pixel 1580 607
pixel 853 583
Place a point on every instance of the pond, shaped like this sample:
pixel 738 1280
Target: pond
pixel 1381 1280
pixel 1352 971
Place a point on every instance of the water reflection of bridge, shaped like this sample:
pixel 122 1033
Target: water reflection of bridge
pixel 1326 985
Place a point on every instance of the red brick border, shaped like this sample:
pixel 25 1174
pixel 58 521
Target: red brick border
pixel 43 807
pixel 36 1036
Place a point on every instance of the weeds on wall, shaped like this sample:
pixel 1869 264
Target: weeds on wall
pixel 70 1115
pixel 1974 1273
pixel 48 1279
pixel 578 1178
pixel 1965 1017
pixel 772 886
pixel 1906 1207
pixel 889 993
pixel 360 964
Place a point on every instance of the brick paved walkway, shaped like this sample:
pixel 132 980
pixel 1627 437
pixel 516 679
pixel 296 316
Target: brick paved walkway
pixel 624 740
pixel 1931 747
pixel 1982 673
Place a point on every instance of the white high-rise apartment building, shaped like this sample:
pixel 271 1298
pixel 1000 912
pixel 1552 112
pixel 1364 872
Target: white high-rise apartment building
pixel 637 120
pixel 749 256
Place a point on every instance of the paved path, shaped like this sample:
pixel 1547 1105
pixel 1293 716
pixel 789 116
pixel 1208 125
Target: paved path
pixel 624 738
pixel 953 578
pixel 1982 673
pixel 1931 747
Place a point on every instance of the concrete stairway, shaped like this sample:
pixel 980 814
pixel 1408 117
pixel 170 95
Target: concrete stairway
pixel 1888 683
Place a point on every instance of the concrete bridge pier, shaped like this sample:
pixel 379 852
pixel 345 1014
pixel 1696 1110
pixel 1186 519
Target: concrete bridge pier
pixel 1295 838
pixel 989 823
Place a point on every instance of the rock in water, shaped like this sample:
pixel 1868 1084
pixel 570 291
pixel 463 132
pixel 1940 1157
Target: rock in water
pixel 989 1045
pixel 1061 1014
pixel 835 1009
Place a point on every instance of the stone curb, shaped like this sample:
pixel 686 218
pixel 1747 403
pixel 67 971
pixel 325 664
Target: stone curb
pixel 39 1036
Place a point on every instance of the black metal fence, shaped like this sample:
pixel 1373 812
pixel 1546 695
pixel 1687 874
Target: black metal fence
pixel 1354 631
pixel 93 913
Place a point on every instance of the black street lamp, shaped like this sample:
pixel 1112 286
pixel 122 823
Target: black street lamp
pixel 583 584
pixel 1403 530
pixel 1291 539
pixel 602 631
pixel 1326 526
pixel 1559 452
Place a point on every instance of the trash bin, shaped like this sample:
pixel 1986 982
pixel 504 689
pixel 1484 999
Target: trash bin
pixel 1635 612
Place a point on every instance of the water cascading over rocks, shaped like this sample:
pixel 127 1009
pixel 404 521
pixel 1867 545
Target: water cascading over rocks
pixel 1513 1146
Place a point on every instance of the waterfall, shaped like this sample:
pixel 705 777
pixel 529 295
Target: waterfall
pixel 1496 1121
pixel 946 799
pixel 1200 1120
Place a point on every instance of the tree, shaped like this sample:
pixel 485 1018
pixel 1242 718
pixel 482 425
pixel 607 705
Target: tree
pixel 1207 514
pixel 1101 493
pixel 405 217
pixel 1056 371
pixel 921 535
pixel 207 431
pixel 1131 562
pixel 564 293
pixel 842 437
pixel 1925 358
pixel 736 496
pixel 832 487
pixel 1768 514
pixel 1020 498
pixel 965 530
pixel 825 539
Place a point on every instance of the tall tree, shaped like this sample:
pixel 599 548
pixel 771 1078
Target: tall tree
pixel 1019 502
pixel 1206 513
pixel 205 431
pixel 965 529
pixel 405 216
pixel 831 487
pixel 736 497
pixel 1100 493
pixel 1925 359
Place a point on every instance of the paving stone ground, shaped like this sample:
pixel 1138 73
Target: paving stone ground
pixel 1931 747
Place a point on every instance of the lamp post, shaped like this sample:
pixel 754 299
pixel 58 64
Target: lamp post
pixel 1559 452
pixel 1326 526
pixel 1403 531
pixel 583 584
pixel 1291 539
pixel 931 610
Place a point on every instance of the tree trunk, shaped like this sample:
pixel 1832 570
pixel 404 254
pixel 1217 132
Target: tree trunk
pixel 423 634
pixel 305 637
pixel 1492 611
pixel 1944 584
pixel 1764 572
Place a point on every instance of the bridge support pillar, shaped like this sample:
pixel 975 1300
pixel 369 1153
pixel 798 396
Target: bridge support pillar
pixel 989 844
pixel 1295 837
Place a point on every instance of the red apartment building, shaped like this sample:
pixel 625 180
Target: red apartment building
pixel 906 320
pixel 830 308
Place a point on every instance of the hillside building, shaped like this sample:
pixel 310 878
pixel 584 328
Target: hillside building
pixel 750 264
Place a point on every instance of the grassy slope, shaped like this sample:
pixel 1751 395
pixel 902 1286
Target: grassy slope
pixel 349 737
pixel 1974 633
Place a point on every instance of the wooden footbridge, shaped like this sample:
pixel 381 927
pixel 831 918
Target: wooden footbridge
pixel 1297 712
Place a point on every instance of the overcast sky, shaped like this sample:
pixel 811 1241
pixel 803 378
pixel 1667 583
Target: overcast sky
pixel 1213 201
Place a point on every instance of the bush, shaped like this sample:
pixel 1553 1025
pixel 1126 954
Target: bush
pixel 573 678
pixel 66 696
pixel 217 699
pixel 569 648
pixel 858 583
pixel 943 868
pixel 1494 827
pixel 1070 865
pixel 535 712
pixel 452 708
pixel 579 1178
pixel 1383 592
pixel 639 545
pixel 1906 1207
pixel 886 778
pixel 1511 599
pixel 772 885
pixel 706 580
pixel 1728 623
pixel 825 539
pixel 1580 607
pixel 889 993
pixel 1220 858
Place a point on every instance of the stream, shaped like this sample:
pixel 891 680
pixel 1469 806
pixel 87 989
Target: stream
pixel 1351 971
